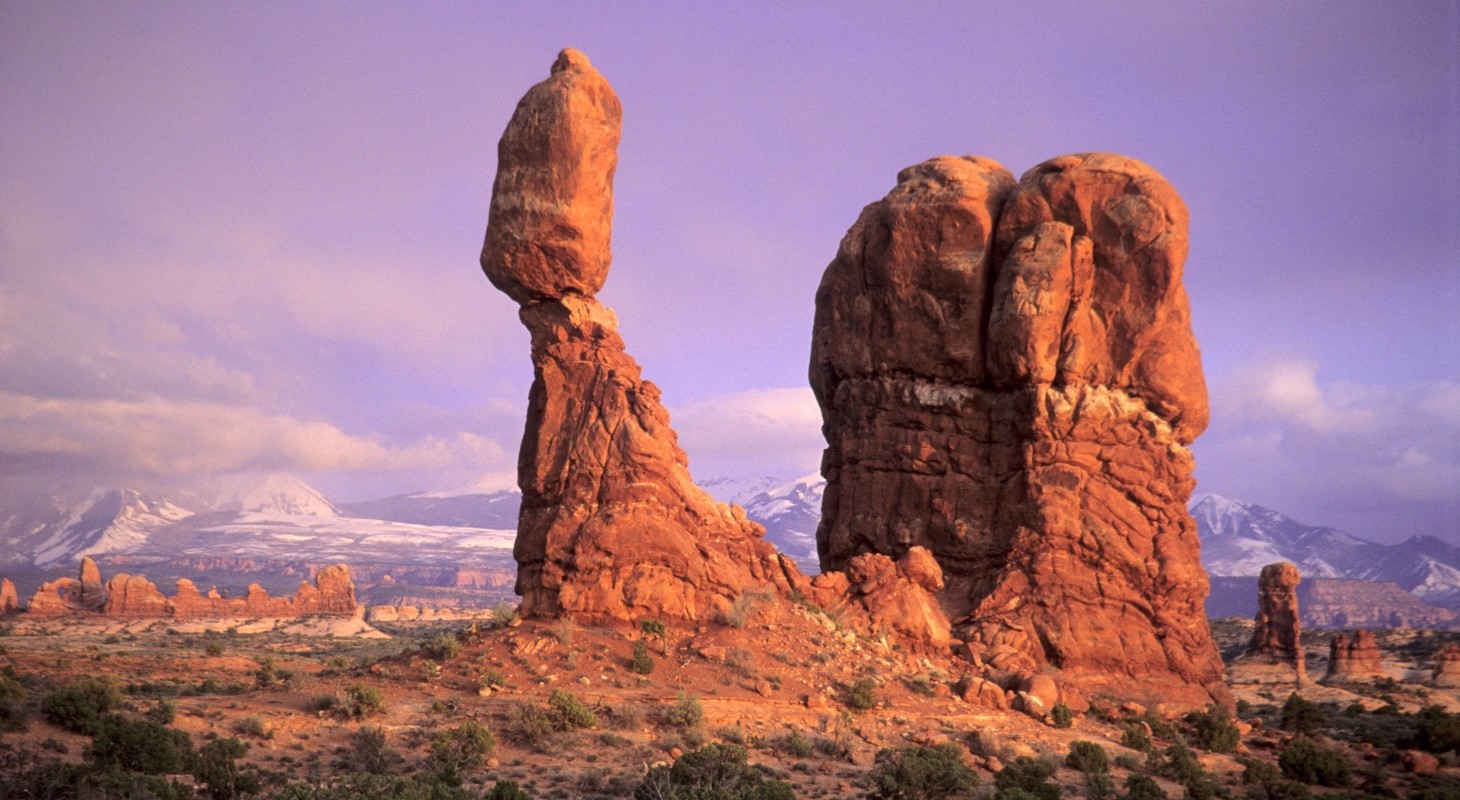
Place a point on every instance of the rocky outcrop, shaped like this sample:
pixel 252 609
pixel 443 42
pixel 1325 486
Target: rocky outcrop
pixel 1355 658
pixel 884 596
pixel 93 594
pixel 134 596
pixel 1275 652
pixel 1347 603
pixel 610 523
pixel 1447 668
pixel 1007 378
pixel 9 600
pixel 128 596
pixel 69 595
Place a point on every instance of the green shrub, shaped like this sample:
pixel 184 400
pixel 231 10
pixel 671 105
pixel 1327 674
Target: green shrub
pixel 217 769
pixel 12 704
pixel 141 746
pixel 163 712
pixel 358 702
pixel 253 726
pixel 1135 736
pixel 1439 731
pixel 653 627
pixel 80 704
pixel 920 773
pixel 1305 761
pixel 490 678
pixel 506 790
pixel 1142 787
pixel 1302 716
pixel 1087 757
pixel 641 663
pixel 461 748
pixel 686 712
pixel 529 725
pixel 862 695
pixel 1029 775
pixel 1099 786
pixel 442 646
pixel 369 753
pixel 1061 716
pixel 1214 729
pixel 713 772
pixel 568 712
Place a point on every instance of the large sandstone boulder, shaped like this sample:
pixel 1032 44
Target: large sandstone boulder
pixel 611 523
pixel 1008 378
pixel 1355 658
pixel 883 596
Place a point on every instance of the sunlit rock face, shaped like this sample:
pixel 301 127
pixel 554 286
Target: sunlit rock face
pixel 1354 658
pixel 1275 652
pixel 611 523
pixel 1008 378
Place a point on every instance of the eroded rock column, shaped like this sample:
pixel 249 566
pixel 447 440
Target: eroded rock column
pixel 611 523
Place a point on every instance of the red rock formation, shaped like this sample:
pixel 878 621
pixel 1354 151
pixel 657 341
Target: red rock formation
pixel 1007 377
pixel 93 594
pixel 1447 668
pixel 69 595
pixel 133 596
pixel 1276 638
pixel 611 523
pixel 1354 659
pixel 897 597
pixel 9 600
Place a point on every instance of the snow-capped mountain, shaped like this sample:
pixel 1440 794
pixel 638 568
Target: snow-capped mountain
pixel 105 521
pixel 497 510
pixel 277 493
pixel 790 511
pixel 1238 539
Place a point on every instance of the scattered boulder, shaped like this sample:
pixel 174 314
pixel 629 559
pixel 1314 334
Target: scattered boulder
pixel 1008 378
pixel 1355 658
pixel 1275 653
pixel 611 523
pixel 1447 667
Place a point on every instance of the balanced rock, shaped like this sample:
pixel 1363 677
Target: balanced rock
pixel 611 523
pixel 1008 378
pixel 1276 638
pixel 1447 667
pixel 9 600
pixel 1355 658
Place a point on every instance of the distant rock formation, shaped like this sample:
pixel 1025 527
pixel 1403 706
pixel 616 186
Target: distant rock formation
pixel 1007 377
pixel 1447 668
pixel 1347 603
pixel 133 596
pixel 611 523
pixel 1355 658
pixel 1275 652
pixel 9 600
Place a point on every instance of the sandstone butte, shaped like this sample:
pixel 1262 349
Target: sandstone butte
pixel 1354 658
pixel 1275 652
pixel 1008 378
pixel 133 596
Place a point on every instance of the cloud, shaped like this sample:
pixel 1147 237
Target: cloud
pixel 164 437
pixel 1379 461
pixel 754 433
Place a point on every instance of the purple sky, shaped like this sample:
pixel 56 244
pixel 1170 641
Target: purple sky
pixel 244 236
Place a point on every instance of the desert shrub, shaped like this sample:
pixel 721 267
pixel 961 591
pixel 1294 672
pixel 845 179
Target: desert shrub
pixel 141 746
pixel 686 712
pixel 641 663
pixel 1214 729
pixel 920 773
pixel 365 786
pixel 442 646
pixel 1302 716
pixel 862 695
pixel 163 712
pixel 713 772
pixel 1135 736
pixel 217 769
pixel 1265 782
pixel 1087 757
pixel 529 725
pixel 1099 786
pixel 745 607
pixel 653 627
pixel 568 712
pixel 12 704
pixel 1180 764
pixel 506 790
pixel 1061 716
pixel 1028 775
pixel 369 753
pixel 213 647
pixel 23 775
pixel 1142 787
pixel 358 702
pixel 253 726
pixel 79 705
pixel 504 614
pixel 460 748
pixel 796 744
pixel 1306 761
pixel 1438 731
pixel 490 678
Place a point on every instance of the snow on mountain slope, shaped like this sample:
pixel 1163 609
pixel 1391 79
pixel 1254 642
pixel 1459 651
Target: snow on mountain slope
pixel 789 509
pixel 497 510
pixel 108 521
pixel 277 493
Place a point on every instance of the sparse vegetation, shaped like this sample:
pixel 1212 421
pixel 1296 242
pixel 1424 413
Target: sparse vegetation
pixel 685 713
pixel 442 647
pixel 568 713
pixel 80 704
pixel 641 663
pixel 1087 757
pixel 920 773
pixel 713 772
pixel 463 747
pixel 862 695
pixel 1026 778
pixel 12 704
pixel 1302 716
pixel 358 702
pixel 1213 729
pixel 1061 716
pixel 1305 761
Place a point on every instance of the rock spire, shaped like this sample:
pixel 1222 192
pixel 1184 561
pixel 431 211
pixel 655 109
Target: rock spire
pixel 1354 658
pixel 1008 378
pixel 611 523
pixel 1277 637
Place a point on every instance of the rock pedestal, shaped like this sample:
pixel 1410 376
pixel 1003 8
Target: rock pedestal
pixel 611 523
pixel 1008 378
pixel 1275 653
pixel 1447 668
pixel 1355 658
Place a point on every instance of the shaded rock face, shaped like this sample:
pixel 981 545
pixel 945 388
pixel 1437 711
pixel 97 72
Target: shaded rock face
pixel 1007 377
pixel 1447 667
pixel 1355 658
pixel 611 523
pixel 1275 639
pixel 93 594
